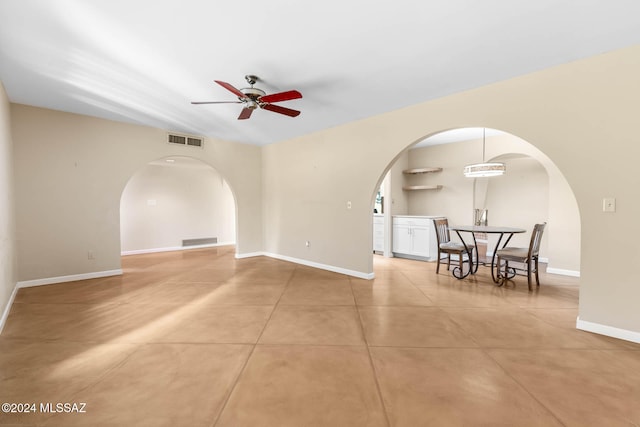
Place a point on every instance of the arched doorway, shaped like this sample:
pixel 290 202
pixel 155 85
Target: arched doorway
pixel 176 203
pixel 533 190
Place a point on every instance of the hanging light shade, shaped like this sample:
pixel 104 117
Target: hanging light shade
pixel 484 169
pixel 478 170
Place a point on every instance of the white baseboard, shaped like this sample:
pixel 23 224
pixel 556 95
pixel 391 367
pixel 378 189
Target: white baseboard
pixel 249 255
pixel 563 272
pixel 72 278
pixel 7 308
pixel 609 331
pixel 51 281
pixel 332 268
pixel 174 248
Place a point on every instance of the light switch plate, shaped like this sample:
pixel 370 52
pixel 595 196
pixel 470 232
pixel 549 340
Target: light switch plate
pixel 609 204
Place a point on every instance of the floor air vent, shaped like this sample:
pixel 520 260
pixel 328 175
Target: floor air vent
pixel 197 242
pixel 192 141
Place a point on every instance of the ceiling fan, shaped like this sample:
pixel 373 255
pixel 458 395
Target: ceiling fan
pixel 254 98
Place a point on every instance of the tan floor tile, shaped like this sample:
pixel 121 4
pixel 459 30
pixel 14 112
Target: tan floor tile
pixel 305 386
pixel 467 295
pixel 430 278
pixel 412 327
pixel 543 298
pixel 452 387
pixel 381 263
pixel 188 387
pixel 74 292
pixel 246 294
pixel 386 295
pixel 195 316
pixel 203 275
pixel 303 273
pixel 218 324
pixel 54 321
pixel 132 323
pixel 582 387
pixel 513 328
pixel 392 278
pixel 267 274
pixel 328 325
pixel 566 318
pixel 318 292
pixel 178 293
pixel 42 372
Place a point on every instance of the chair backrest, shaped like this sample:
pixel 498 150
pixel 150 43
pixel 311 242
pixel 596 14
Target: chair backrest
pixel 442 230
pixel 536 237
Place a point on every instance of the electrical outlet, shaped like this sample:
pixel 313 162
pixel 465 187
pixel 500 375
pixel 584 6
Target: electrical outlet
pixel 349 204
pixel 609 204
pixel 307 243
pixel 89 254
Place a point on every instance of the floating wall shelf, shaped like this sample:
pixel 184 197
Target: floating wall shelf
pixel 421 187
pixel 417 171
pixel 421 170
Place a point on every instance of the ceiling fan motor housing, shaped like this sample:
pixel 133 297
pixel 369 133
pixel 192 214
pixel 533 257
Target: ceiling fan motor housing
pixel 252 93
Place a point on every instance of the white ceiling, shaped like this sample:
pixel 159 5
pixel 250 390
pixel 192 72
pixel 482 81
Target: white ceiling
pixel 143 61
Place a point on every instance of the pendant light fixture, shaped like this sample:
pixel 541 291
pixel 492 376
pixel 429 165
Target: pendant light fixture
pixel 478 170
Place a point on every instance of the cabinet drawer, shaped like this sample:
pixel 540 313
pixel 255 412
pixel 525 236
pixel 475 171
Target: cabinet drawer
pixel 413 222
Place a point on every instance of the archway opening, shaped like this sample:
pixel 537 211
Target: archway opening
pixel 176 203
pixel 426 180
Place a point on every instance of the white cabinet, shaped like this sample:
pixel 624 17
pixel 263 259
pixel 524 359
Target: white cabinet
pixel 402 241
pixel 414 237
pixel 378 233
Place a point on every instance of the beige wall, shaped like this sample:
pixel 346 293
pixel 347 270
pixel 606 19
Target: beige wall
pixel 581 115
pixel 70 172
pixel 399 199
pixel 520 198
pixel 8 270
pixel 166 203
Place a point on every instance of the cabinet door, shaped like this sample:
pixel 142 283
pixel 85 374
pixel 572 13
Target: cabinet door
pixel 402 239
pixel 420 241
pixel 378 237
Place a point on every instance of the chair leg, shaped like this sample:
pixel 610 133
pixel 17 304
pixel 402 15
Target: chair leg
pixel 506 270
pixel 537 278
pixel 529 274
pixel 438 264
pixel 448 262
pixel 460 261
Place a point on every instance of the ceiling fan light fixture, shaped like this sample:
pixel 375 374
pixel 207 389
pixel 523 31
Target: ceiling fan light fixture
pixel 484 169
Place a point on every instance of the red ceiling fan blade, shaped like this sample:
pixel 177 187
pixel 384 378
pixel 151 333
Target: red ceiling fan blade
pixel 216 102
pixel 281 96
pixel 282 110
pixel 245 113
pixel 230 88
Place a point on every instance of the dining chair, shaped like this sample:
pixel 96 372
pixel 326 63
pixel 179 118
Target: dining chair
pixel 527 256
pixel 446 247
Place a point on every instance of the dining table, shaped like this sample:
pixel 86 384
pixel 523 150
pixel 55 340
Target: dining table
pixel 487 229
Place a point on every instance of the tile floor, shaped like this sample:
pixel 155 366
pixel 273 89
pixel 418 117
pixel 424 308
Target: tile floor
pixel 198 338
